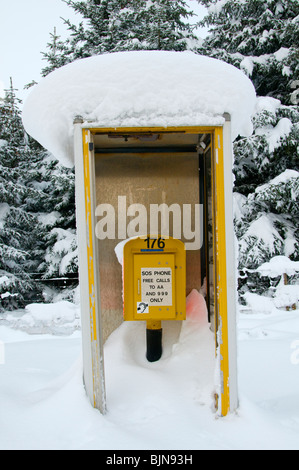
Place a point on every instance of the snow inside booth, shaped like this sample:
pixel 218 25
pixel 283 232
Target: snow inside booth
pixel 150 134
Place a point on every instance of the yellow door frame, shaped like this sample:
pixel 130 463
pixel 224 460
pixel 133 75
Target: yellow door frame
pixel 221 336
pixel 221 268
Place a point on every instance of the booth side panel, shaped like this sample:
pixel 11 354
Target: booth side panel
pixel 92 345
pixel 221 279
pixel 226 285
pixel 94 278
pixel 231 266
pixel 83 265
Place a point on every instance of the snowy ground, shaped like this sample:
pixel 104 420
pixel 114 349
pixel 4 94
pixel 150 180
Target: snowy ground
pixel 166 405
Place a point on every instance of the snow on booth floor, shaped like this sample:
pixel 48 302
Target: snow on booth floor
pixel 166 405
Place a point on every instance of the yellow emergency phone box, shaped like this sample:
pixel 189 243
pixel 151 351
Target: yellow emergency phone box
pixel 154 279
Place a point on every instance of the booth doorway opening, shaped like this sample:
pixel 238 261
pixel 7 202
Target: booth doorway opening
pixel 161 179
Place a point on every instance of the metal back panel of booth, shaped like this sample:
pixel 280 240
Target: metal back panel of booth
pixel 143 179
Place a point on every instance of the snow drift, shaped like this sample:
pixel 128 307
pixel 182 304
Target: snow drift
pixel 140 88
pixel 165 405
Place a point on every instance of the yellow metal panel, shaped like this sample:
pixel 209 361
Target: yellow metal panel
pixel 98 387
pixel 153 325
pixel 154 279
pixel 128 130
pixel 221 281
pixel 90 254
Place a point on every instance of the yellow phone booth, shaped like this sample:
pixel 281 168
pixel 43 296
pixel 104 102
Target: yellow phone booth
pixel 153 161
pixel 154 278
pixel 130 180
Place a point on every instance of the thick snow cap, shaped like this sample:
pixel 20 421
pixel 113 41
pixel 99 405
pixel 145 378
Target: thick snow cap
pixel 141 88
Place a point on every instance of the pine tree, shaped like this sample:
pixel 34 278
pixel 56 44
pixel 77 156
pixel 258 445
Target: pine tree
pixel 272 148
pixel 261 38
pixel 21 244
pixel 61 256
pixel 37 210
pixel 119 25
pixel 55 54
pixel 154 25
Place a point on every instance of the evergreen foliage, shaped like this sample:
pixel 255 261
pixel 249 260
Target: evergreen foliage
pixel 36 198
pixel 272 148
pixel 21 237
pixel 55 54
pixel 118 25
pixel 261 38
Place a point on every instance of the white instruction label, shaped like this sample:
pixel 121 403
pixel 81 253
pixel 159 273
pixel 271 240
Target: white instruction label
pixel 156 286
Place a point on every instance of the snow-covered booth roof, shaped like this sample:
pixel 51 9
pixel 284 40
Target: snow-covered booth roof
pixel 137 89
